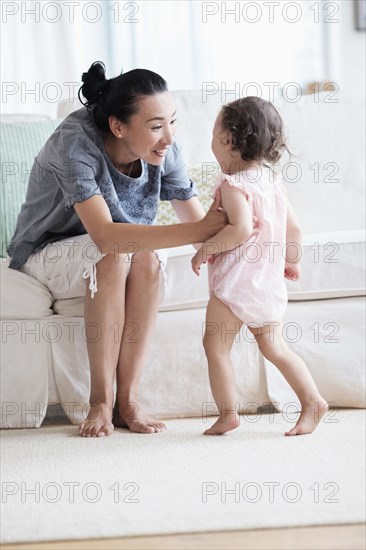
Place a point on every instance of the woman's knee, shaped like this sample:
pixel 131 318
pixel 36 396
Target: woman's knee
pixel 146 265
pixel 113 265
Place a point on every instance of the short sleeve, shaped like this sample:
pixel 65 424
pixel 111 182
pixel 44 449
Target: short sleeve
pixel 175 182
pixel 76 180
pixel 233 181
pixel 74 161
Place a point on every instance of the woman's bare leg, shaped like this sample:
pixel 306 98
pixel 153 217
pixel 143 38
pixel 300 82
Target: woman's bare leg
pixel 102 314
pixel 142 302
pixel 292 367
pixel 221 328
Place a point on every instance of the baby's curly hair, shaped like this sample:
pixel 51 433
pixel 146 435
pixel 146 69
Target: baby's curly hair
pixel 256 129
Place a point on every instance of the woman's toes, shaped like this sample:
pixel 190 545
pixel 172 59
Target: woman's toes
pixel 94 431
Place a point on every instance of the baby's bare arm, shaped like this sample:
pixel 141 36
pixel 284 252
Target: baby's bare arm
pixel 240 226
pixel 293 251
pixel 293 229
pixel 238 230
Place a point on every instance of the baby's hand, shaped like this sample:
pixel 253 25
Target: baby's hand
pixel 292 271
pixel 197 261
pixel 210 258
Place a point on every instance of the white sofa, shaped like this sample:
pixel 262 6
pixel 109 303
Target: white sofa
pixel 43 353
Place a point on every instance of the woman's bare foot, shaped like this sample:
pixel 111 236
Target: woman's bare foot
pixel 310 417
pixel 230 421
pixel 129 415
pixel 98 422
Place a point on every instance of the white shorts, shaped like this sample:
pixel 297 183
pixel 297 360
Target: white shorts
pixel 63 266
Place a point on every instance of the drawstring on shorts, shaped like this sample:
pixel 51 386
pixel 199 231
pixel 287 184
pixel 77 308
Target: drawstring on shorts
pixel 92 273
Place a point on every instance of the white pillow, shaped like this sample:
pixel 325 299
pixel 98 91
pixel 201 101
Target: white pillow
pixel 22 296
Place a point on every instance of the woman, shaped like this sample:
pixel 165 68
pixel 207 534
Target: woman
pixel 96 185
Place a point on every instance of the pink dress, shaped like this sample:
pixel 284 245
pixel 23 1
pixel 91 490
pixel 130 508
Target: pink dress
pixel 249 279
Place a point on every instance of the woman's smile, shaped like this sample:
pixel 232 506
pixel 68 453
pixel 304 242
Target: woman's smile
pixel 160 152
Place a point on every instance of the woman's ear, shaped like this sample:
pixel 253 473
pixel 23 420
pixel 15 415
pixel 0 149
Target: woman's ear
pixel 116 127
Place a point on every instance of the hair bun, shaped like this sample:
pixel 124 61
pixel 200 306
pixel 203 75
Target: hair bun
pixel 93 83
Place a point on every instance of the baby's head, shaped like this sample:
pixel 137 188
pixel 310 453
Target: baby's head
pixel 248 131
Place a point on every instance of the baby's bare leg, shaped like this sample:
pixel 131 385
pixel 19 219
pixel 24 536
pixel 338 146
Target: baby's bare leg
pixel 292 367
pixel 220 331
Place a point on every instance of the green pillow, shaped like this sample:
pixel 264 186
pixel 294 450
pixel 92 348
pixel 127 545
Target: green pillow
pixel 20 143
pixel 204 184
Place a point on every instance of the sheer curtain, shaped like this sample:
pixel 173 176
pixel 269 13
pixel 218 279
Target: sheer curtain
pixel 226 43
pixel 193 44
pixel 45 46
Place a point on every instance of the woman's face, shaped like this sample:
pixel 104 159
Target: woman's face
pixel 150 132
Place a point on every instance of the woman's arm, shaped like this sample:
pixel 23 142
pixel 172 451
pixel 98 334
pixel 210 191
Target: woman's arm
pixel 111 237
pixel 238 230
pixel 190 210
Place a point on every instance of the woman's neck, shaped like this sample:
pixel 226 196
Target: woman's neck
pixel 120 158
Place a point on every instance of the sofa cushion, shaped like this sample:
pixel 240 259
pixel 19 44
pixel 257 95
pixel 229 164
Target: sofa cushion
pixel 20 143
pixel 204 183
pixel 332 266
pixel 22 296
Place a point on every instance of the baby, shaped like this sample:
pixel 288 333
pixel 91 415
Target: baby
pixel 246 273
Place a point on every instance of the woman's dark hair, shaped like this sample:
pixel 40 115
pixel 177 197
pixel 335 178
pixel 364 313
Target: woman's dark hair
pixel 117 96
pixel 256 129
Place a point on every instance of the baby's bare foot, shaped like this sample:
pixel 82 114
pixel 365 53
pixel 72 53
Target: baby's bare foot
pixel 98 422
pixel 309 419
pixel 129 414
pixel 229 422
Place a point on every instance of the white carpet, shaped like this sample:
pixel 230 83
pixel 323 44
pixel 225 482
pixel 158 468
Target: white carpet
pixel 178 479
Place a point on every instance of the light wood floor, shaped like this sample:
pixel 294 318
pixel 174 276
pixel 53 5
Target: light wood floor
pixel 338 537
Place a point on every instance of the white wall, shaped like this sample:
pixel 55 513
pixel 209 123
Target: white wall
pixel 347 48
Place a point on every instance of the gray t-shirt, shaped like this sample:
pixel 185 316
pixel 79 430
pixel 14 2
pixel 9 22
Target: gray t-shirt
pixel 72 167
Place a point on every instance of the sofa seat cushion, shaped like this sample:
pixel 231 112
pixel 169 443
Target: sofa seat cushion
pixel 22 296
pixel 332 267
